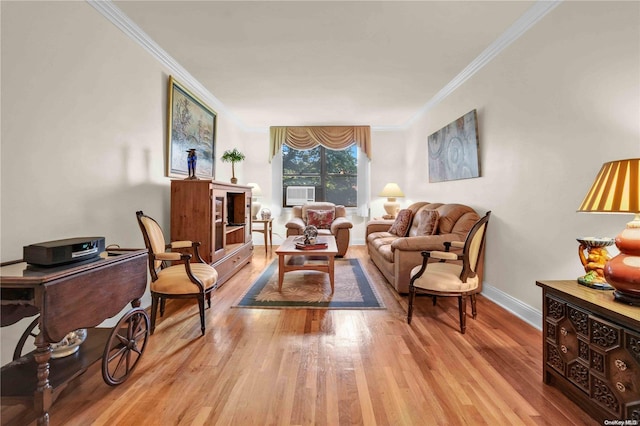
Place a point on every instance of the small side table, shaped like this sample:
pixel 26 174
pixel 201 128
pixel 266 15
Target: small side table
pixel 267 230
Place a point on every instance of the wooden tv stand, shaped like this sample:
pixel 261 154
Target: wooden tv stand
pixel 218 215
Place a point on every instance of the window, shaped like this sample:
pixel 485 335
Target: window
pixel 333 174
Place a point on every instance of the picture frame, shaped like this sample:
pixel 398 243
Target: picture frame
pixel 191 125
pixel 453 150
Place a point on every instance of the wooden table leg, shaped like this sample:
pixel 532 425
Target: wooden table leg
pixel 280 271
pixel 270 236
pixel 331 274
pixel 43 396
pixel 266 240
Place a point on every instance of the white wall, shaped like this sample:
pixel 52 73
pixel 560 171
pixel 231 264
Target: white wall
pixel 84 118
pixel 83 132
pixel 555 105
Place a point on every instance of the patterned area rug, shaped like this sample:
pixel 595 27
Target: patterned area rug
pixel 312 290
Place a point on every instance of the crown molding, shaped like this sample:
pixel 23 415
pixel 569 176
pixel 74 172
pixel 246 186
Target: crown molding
pixel 127 26
pixel 110 11
pixel 536 12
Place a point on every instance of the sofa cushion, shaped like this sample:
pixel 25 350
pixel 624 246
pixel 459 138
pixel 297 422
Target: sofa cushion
pixel 382 234
pixel 321 219
pixel 385 251
pixel 450 214
pixel 402 223
pixel 414 226
pixel 382 241
pixel 444 277
pixel 427 222
pixel 301 211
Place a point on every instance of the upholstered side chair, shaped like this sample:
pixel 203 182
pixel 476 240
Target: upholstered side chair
pixel 189 280
pixel 454 274
pixel 330 219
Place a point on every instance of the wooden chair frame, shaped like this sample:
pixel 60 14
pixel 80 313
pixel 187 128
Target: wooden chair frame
pixel 200 292
pixel 468 271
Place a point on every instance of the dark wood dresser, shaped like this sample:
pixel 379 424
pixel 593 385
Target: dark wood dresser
pixel 591 347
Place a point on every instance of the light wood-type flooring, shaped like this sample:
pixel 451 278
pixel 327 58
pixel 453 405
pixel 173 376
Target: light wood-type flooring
pixel 318 367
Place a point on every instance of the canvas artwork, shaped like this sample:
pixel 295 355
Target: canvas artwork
pixel 453 150
pixel 192 125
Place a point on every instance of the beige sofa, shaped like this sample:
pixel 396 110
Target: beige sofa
pixel 395 256
pixel 340 226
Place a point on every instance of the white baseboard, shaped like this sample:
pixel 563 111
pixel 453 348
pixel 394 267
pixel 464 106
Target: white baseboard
pixel 521 310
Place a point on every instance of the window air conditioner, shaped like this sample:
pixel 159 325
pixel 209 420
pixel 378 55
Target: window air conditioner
pixel 299 195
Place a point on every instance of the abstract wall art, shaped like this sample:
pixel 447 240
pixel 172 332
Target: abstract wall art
pixel 453 150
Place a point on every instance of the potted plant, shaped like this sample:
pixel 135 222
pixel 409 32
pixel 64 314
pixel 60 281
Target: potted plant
pixel 232 156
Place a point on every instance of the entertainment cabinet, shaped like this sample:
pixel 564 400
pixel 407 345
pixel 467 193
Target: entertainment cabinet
pixel 591 347
pixel 218 215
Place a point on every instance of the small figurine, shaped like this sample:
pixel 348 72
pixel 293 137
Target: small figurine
pixel 192 158
pixel 310 234
pixel 594 261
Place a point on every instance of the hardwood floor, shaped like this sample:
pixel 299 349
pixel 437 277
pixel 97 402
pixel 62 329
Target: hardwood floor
pixel 304 367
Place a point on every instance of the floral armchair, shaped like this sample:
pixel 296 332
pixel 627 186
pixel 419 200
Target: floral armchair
pixel 330 219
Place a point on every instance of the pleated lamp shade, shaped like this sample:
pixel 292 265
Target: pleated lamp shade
pixel 616 188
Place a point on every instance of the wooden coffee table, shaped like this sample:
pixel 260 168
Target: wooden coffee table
pixel 306 259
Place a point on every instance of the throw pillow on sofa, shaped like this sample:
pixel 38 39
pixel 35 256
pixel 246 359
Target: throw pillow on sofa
pixel 321 219
pixel 402 223
pixel 428 222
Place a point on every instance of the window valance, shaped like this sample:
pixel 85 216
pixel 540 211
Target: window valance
pixel 332 137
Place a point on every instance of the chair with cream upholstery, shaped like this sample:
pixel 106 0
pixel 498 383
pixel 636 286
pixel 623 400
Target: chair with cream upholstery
pixel 328 218
pixel 454 274
pixel 195 280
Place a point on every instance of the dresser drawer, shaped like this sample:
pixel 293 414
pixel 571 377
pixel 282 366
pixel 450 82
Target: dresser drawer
pixel 614 367
pixel 230 264
pixel 567 341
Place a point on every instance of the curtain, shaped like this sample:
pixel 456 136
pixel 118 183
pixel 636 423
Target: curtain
pixel 332 137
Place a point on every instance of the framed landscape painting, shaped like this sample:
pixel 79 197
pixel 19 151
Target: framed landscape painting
pixel 453 150
pixel 191 125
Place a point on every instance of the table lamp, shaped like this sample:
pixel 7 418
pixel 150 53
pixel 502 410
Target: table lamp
pixel 391 191
pixel 256 192
pixel 617 190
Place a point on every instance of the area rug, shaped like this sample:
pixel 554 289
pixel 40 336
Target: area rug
pixel 312 290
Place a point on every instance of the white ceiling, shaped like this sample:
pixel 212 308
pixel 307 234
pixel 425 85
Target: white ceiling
pixel 274 63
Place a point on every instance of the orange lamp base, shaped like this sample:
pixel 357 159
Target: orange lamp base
pixel 623 271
